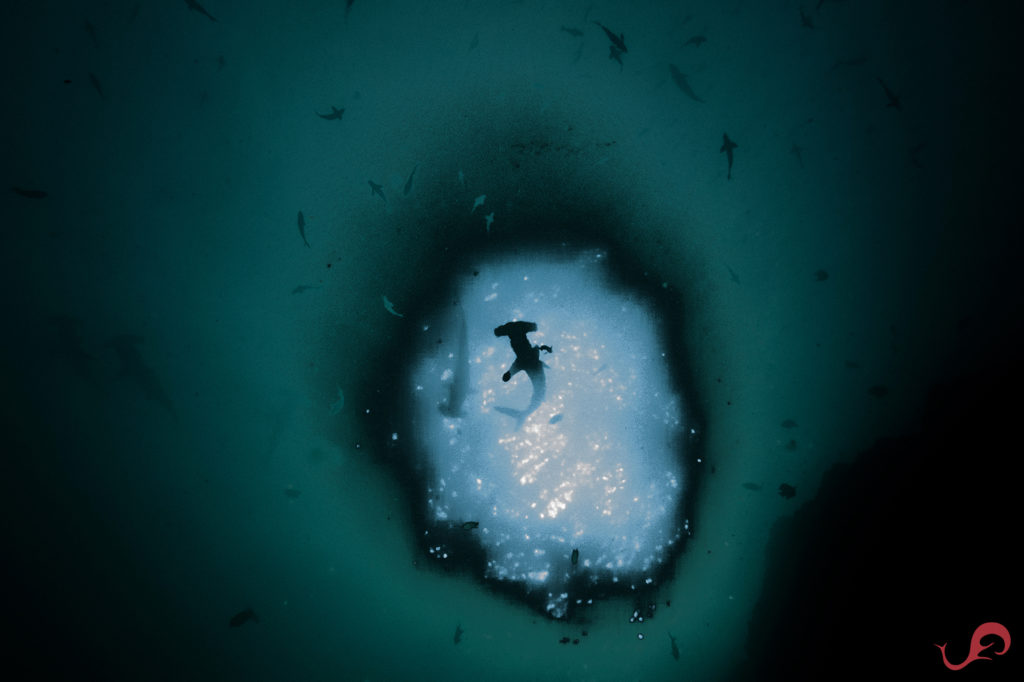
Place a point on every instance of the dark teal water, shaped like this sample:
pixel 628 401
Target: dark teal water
pixel 847 295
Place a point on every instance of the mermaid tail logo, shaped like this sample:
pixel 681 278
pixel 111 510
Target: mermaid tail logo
pixel 983 630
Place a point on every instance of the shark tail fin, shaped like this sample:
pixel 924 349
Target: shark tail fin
pixel 519 415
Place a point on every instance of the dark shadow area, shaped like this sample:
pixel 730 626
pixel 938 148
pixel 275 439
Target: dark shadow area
pixel 914 544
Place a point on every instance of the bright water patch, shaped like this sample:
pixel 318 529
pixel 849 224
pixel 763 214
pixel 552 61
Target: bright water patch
pixel 582 452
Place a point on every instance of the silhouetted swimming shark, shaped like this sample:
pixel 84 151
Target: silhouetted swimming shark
pixel 378 190
pixel 894 99
pixel 459 387
pixel 302 229
pixel 408 183
pixel 680 78
pixel 527 360
pixel 335 114
pixel 618 41
pixel 727 147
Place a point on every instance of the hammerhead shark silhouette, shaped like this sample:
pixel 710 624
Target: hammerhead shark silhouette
pixel 527 360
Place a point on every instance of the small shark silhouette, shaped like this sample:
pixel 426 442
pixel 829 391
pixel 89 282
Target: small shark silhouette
pixel 489 220
pixel 574 32
pixel 680 78
pixel 303 288
pixel 696 41
pixel 727 147
pixel 458 633
pixel 348 7
pixel 96 84
pixel 335 114
pixel 805 19
pixel 894 99
pixel 196 7
pixel 243 617
pixel 675 649
pixel 390 307
pixel 132 365
pixel 29 193
pixel 378 190
pixel 302 229
pixel 408 183
pixel 478 202
pixel 618 41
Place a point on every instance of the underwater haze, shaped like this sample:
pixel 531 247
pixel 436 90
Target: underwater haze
pixel 265 265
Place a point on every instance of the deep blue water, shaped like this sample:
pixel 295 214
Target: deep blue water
pixel 843 298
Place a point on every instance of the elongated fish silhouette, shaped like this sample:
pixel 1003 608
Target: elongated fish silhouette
pixel 680 78
pixel 335 114
pixel 727 147
pixel 378 190
pixel 459 387
pixel 618 41
pixel 302 228
pixel 408 183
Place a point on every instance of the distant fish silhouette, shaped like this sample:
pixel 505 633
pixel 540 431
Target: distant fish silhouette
pixel 408 183
pixel 390 307
pixel 335 114
pixel 696 41
pixel 196 7
pixel 680 79
pixel 618 41
pixel 29 193
pixel 126 346
pixel 243 617
pixel 302 230
pixel 727 147
pixel 894 99
pixel 574 32
pixel 96 84
pixel 378 190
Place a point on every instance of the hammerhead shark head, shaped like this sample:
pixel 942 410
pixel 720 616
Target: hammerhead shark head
pixel 527 360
